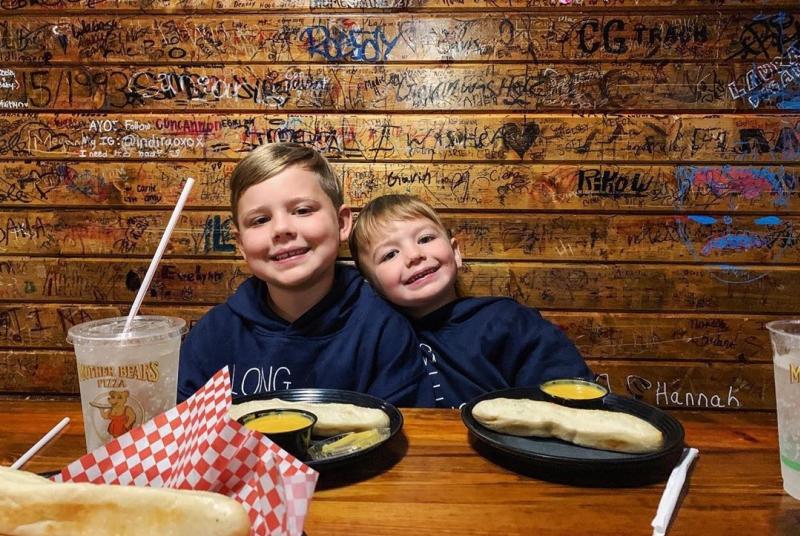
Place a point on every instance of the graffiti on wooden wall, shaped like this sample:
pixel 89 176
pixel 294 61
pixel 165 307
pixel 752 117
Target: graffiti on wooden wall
pixel 632 172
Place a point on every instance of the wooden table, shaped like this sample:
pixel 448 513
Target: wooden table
pixel 431 481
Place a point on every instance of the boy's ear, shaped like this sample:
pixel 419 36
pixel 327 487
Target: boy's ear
pixel 345 217
pixel 456 252
pixel 238 237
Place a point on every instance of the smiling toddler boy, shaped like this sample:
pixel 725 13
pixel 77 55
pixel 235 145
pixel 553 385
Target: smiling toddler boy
pixel 471 345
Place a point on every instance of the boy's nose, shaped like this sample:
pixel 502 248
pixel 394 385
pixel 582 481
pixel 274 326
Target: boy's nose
pixel 281 226
pixel 414 256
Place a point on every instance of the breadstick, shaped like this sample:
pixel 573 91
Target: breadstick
pixel 607 430
pixel 32 506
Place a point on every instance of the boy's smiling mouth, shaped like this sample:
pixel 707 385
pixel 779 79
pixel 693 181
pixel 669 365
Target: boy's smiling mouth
pixel 288 254
pixel 421 274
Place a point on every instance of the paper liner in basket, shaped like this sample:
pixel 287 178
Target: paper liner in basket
pixel 195 445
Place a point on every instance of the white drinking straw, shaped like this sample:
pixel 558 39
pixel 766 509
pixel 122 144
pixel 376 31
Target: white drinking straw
pixel 39 444
pixel 672 492
pixel 159 252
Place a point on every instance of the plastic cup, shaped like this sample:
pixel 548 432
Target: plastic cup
pixel 785 336
pixel 125 378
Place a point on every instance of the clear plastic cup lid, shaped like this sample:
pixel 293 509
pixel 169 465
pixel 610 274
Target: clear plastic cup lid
pixel 785 327
pixel 144 329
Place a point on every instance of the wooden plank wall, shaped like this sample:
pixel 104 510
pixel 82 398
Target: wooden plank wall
pixel 630 168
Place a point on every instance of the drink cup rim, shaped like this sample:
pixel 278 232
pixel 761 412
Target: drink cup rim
pixel 144 329
pixel 780 327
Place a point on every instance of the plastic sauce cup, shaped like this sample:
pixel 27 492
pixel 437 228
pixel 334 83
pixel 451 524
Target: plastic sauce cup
pixel 574 392
pixel 289 428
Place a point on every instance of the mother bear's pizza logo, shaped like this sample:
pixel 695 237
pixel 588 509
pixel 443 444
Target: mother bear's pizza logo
pixel 117 413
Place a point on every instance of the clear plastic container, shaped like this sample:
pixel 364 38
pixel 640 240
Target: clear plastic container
pixel 348 443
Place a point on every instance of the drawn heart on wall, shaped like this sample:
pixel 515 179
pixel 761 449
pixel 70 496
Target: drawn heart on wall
pixel 520 140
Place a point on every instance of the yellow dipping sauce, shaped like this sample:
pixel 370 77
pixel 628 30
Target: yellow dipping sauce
pixel 573 391
pixel 277 423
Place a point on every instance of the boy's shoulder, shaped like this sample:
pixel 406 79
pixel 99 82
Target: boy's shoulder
pixel 215 320
pixel 228 312
pixel 498 308
pixel 497 314
pixel 363 298
pixel 497 302
pixel 466 314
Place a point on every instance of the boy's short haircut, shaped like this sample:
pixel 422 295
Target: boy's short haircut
pixel 271 159
pixel 383 210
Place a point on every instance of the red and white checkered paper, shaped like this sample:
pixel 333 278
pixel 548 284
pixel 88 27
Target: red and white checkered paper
pixel 196 445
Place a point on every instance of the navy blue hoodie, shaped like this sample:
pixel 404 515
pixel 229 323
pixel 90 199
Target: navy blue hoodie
pixel 351 339
pixel 475 345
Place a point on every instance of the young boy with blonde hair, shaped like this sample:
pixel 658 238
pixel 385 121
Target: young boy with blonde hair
pixel 471 345
pixel 301 320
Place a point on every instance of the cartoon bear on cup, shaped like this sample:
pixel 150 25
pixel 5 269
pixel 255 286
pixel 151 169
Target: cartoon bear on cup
pixel 120 415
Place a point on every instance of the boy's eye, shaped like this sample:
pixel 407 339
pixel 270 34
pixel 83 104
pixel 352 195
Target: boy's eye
pixel 389 255
pixel 426 238
pixel 302 211
pixel 259 220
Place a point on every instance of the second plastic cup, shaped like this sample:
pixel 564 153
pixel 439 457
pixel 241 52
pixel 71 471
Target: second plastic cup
pixel 785 336
pixel 125 378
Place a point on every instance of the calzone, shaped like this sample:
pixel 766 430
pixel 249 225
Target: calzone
pixel 32 506
pixel 332 418
pixel 599 429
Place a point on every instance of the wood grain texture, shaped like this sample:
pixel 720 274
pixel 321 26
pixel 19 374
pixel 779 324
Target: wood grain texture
pixel 400 37
pixel 746 289
pixel 743 188
pixel 498 236
pixel 734 483
pixel 449 6
pixel 671 337
pixel 509 137
pixel 359 88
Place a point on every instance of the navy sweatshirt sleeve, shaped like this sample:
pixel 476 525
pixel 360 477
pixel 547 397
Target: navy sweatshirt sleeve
pixel 540 351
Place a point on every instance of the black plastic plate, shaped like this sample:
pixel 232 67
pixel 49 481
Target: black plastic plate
pixel 560 461
pixel 338 396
